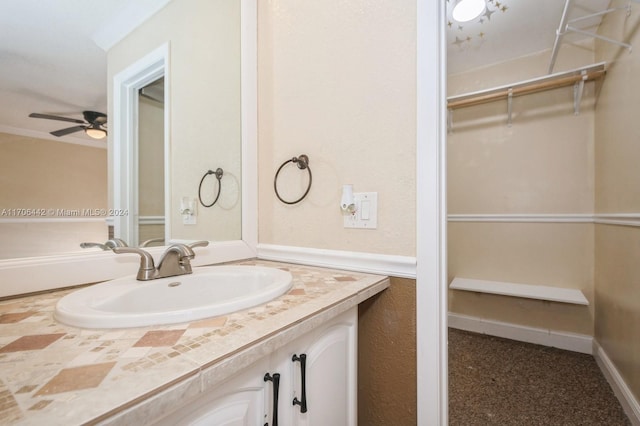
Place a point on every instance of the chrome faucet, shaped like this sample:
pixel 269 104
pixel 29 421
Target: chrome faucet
pixel 176 260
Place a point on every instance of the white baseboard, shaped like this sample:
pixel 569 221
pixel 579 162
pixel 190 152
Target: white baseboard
pixel 383 264
pixel 558 339
pixel 628 401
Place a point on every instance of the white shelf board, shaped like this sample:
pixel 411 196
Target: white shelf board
pixel 541 292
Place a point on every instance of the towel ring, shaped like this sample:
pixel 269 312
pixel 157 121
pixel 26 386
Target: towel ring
pixel 303 163
pixel 218 173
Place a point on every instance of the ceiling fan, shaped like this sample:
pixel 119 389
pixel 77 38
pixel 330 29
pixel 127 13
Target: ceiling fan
pixel 93 124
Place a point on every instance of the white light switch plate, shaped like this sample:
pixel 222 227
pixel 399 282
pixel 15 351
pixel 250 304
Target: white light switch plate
pixel 366 214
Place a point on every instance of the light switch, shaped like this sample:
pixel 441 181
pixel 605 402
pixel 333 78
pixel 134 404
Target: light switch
pixel 366 213
pixel 365 207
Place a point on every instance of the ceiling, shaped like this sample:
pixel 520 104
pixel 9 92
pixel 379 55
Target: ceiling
pixel 513 28
pixel 51 62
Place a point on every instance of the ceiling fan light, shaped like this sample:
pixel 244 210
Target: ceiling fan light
pixel 468 10
pixel 95 132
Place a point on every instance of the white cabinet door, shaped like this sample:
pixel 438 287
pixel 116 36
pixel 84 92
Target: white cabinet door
pixel 330 375
pixel 330 385
pixel 240 401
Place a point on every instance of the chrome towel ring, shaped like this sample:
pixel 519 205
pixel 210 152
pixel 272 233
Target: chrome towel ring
pixel 303 164
pixel 218 173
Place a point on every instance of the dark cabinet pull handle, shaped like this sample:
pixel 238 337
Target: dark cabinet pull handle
pixel 275 378
pixel 303 374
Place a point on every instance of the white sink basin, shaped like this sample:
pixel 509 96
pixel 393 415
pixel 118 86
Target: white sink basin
pixel 209 291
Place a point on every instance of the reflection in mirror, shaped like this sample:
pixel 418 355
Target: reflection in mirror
pixel 81 171
pixel 54 196
pixel 151 190
pixel 53 176
pixel 205 130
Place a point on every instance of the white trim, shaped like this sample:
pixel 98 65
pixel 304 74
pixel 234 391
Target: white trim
pixel 396 266
pixel 124 21
pixel 532 218
pixel 558 339
pixel 91 143
pixel 166 109
pixel 27 275
pixel 151 220
pixel 53 220
pixel 431 211
pixel 126 84
pixel 628 401
pixel 622 219
pixel 249 112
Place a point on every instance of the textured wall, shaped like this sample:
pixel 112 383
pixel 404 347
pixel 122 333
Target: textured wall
pixel 542 164
pixel 337 83
pixel 617 276
pixel 387 357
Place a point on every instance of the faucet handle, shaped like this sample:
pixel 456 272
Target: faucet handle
pixel 109 244
pixel 147 266
pixel 199 244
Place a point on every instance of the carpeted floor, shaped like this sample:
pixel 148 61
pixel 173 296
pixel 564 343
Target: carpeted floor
pixel 495 381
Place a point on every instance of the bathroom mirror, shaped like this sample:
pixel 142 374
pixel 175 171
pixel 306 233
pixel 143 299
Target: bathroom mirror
pixel 218 223
pixel 194 118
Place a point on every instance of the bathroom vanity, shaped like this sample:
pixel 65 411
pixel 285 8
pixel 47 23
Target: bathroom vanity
pixel 212 370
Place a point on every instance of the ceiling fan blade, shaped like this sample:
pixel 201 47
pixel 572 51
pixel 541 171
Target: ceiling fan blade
pixel 68 130
pixel 55 117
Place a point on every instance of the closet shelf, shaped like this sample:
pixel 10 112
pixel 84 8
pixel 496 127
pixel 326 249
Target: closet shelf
pixel 575 77
pixel 540 292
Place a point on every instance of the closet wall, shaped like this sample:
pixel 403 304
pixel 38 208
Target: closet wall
pixel 617 171
pixel 540 165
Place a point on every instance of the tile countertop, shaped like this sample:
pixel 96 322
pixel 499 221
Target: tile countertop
pixel 51 373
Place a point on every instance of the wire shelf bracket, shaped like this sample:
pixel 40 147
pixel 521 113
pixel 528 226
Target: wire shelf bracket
pixel 566 26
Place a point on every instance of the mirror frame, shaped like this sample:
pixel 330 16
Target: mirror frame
pixel 36 274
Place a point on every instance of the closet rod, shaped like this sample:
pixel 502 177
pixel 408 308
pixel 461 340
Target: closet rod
pixel 547 82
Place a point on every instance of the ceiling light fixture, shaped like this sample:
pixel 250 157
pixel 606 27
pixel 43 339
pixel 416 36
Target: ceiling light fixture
pixel 95 131
pixel 467 10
